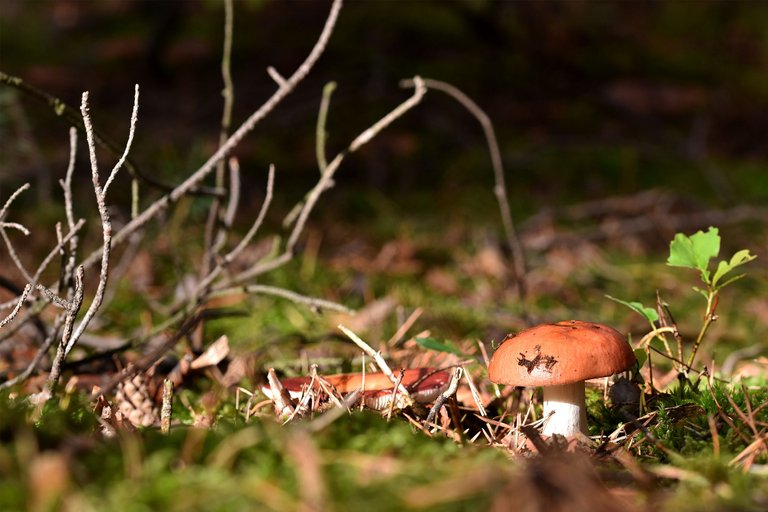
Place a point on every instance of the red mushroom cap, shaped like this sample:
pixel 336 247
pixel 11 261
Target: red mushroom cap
pixel 560 353
pixel 424 384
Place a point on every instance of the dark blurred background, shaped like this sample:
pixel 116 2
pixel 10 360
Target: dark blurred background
pixel 589 99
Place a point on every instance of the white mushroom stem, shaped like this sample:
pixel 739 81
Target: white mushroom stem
pixel 564 410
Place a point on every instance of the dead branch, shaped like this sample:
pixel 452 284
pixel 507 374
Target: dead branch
pixel 500 188
pixel 194 180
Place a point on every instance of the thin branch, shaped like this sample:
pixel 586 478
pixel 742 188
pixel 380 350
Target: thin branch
pixel 231 255
pixel 274 75
pixel 194 180
pixel 106 225
pixel 131 132
pixel 262 289
pixel 232 203
pixel 500 188
pixel 14 256
pixel 3 225
pixel 17 193
pixel 320 140
pixel 19 303
pixel 66 186
pixel 376 355
pixel 321 134
pixel 445 395
pixel 214 233
pixel 297 298
pixel 56 250
pixel 327 178
pixel 69 322
pixel 72 334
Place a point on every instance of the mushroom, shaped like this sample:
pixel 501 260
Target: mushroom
pixel 423 384
pixel 560 357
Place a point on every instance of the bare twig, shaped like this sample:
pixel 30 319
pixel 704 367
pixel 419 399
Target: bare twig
pixel 321 134
pixel 193 181
pixel 214 234
pixel 445 395
pixel 165 411
pixel 103 213
pixel 380 362
pixel 325 181
pixel 72 334
pixel 14 225
pixel 404 327
pixel 231 255
pixel 500 188
pixel 276 76
pixel 19 303
pixel 72 309
pixel 10 200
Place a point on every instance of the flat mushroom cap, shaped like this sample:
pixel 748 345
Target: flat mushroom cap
pixel 560 353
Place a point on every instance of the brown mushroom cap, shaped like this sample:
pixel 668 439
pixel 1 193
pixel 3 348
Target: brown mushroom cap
pixel 561 353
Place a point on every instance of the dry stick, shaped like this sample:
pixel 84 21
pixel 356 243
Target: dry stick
pixel 325 182
pixel 68 341
pixel 323 421
pixel 376 355
pixel 445 395
pixel 320 139
pixel 727 419
pixel 17 193
pixel 233 201
pixel 14 225
pixel 165 410
pixel 231 255
pixel 194 180
pixel 19 303
pixel 69 321
pixel 214 232
pixel 50 294
pixel 662 314
pixel 102 207
pixel 475 394
pixel 393 396
pixel 405 327
pixel 56 250
pixel 321 134
pixel 312 302
pixel 500 188
pixel 66 186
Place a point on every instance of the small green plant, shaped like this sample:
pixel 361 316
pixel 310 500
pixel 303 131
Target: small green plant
pixel 694 252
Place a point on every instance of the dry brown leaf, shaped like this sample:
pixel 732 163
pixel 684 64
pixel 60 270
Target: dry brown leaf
pixel 213 355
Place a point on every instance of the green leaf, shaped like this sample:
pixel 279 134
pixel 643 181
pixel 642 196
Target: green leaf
pixel 641 355
pixel 740 258
pixel 729 281
pixel 649 313
pixel 694 251
pixel 439 346
pixel 703 293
